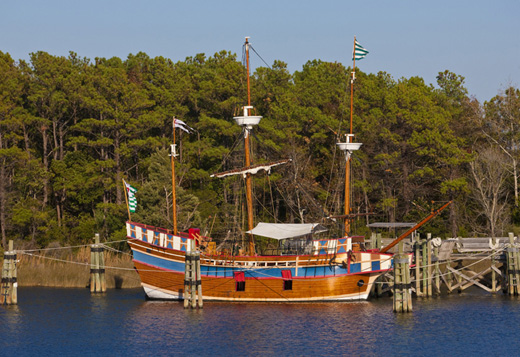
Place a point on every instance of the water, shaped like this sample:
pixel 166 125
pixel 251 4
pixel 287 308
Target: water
pixel 71 322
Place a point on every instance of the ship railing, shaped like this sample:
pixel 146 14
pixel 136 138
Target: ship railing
pixel 165 230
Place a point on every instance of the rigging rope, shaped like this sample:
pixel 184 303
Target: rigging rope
pixel 259 56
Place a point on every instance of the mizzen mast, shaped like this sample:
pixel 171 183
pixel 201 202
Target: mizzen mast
pixel 174 196
pixel 247 121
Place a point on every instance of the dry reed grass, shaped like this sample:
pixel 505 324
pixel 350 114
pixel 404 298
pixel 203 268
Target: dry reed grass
pixel 65 268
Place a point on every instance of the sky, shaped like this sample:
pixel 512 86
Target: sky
pixel 477 39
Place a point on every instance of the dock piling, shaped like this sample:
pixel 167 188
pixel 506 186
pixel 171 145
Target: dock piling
pixel 9 288
pixel 97 267
pixel 493 268
pixel 418 265
pixel 378 245
pixel 437 271
pixel 429 263
pixel 192 280
pixel 187 279
pixel 512 260
pixel 402 285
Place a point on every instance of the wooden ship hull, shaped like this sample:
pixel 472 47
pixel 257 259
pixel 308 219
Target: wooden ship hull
pixel 331 272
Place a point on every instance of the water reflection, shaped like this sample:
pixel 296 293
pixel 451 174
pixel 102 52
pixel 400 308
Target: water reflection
pixel 122 322
pixel 260 328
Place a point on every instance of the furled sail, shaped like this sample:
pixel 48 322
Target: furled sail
pixel 253 170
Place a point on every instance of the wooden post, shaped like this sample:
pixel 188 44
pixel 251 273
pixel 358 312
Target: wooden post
pixel 192 279
pixel 408 287
pixel 493 276
pixel 379 286
pixel 8 298
pixel 96 263
pixel 4 288
pixel 449 277
pixel 517 267
pixel 402 286
pixel 9 286
pixel 92 269
pixel 199 282
pixel 398 295
pixel 193 284
pixel 437 271
pixel 97 267
pixel 424 268
pixel 102 268
pixel 192 276
pixel 14 275
pixel 493 264
pixel 417 266
pixel 513 277
pixel 187 279
pixel 459 267
pixel 429 270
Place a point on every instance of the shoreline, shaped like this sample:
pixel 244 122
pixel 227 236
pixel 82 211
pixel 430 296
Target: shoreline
pixel 72 270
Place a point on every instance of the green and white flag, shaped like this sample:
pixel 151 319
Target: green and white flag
pixel 132 201
pixel 359 51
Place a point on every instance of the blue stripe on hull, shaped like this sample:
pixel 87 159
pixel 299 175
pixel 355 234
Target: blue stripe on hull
pixel 159 262
pixel 259 273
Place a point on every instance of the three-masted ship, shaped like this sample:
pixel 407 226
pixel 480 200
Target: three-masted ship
pixel 305 268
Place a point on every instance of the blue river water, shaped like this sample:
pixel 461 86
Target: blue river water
pixel 72 322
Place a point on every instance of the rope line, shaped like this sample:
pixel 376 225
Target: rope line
pixel 72 262
pixel 71 247
pixel 258 272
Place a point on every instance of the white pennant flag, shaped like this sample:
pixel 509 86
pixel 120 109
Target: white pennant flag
pixel 177 123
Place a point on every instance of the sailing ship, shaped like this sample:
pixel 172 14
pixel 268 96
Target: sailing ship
pixel 304 268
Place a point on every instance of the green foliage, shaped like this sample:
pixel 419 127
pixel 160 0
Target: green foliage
pixel 71 129
pixel 155 197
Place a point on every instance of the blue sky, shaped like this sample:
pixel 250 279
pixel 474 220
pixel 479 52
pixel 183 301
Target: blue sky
pixel 477 39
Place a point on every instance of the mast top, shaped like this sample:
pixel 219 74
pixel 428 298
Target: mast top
pixel 349 146
pixel 248 120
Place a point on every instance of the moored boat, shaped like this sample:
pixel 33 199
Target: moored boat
pixel 329 270
pixel 304 267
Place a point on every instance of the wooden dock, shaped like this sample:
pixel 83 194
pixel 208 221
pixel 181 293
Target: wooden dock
pixel 456 264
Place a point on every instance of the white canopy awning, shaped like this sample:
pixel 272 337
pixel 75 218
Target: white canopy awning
pixel 286 230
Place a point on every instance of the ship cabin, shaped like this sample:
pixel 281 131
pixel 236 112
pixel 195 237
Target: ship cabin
pixel 298 239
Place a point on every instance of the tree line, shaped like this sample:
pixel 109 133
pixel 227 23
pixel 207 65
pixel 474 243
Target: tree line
pixel 72 128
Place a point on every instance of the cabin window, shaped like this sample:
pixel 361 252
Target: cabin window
pixel 240 281
pixel 287 279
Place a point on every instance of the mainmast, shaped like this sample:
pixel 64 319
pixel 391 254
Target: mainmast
pixel 247 121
